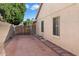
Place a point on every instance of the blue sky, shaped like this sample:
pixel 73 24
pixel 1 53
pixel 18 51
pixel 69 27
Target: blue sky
pixel 31 10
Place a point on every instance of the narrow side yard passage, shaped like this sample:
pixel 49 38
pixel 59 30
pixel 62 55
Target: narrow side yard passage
pixel 28 45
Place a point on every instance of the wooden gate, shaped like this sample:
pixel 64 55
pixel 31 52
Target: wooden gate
pixel 22 29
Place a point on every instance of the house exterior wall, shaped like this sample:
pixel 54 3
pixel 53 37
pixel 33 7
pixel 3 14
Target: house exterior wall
pixel 69 21
pixel 4 29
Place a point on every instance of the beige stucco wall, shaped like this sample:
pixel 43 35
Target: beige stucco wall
pixel 4 29
pixel 69 25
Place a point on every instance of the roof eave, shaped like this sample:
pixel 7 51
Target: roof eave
pixel 39 11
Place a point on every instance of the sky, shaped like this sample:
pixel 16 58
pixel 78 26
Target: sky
pixel 31 10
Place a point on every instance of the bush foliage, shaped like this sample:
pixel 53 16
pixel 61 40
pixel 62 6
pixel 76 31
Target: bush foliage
pixel 28 22
pixel 13 13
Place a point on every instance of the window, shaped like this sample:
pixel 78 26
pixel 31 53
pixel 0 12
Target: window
pixel 42 26
pixel 56 26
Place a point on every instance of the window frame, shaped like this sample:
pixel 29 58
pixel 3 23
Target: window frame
pixel 56 26
pixel 42 26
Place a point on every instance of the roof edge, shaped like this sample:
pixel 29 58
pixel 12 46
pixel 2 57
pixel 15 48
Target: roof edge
pixel 39 10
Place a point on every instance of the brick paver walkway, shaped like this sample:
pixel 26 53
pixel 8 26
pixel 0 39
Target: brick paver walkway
pixel 28 45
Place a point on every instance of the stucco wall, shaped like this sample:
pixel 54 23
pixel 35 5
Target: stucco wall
pixel 69 21
pixel 4 29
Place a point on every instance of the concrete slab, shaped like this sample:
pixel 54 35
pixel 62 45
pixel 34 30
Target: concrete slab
pixel 28 45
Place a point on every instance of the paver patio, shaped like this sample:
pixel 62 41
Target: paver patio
pixel 28 45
